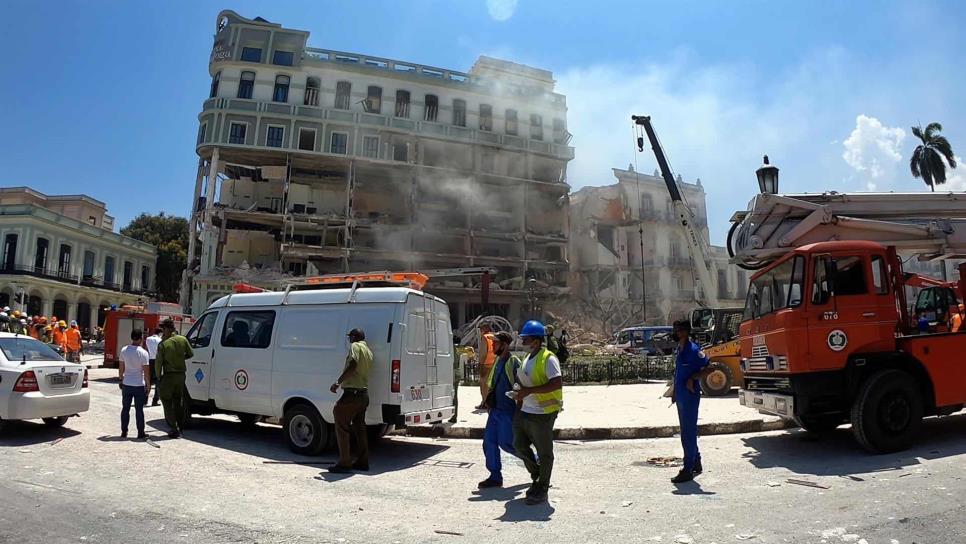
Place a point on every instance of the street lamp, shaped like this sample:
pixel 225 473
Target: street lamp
pixel 767 178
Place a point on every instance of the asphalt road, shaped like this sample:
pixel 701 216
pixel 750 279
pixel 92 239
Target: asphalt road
pixel 222 483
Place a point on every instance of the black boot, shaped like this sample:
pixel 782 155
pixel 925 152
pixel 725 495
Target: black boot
pixel 682 477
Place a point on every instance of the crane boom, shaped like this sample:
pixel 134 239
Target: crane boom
pixel 685 216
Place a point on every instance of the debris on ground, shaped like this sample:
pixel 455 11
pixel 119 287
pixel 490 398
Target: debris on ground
pixel 683 539
pixel 625 504
pixel 442 532
pixel 153 443
pixel 55 442
pixel 807 483
pixel 745 536
pixel 664 462
pixel 774 484
pixel 853 478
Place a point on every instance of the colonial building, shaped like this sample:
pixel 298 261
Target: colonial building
pixel 614 273
pixel 61 257
pixel 315 161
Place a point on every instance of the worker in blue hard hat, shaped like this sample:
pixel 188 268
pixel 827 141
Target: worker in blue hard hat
pixel 540 399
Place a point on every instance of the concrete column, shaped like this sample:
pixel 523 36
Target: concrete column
pixel 71 311
pixel 47 307
pixel 212 180
pixel 94 306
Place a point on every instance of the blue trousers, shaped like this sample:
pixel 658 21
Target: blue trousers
pixel 687 404
pixel 497 434
pixel 140 397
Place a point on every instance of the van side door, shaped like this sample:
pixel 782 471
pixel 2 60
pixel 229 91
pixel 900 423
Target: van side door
pixel 201 367
pixel 243 375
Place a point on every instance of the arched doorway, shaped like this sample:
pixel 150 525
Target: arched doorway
pixel 60 309
pixel 101 314
pixel 35 305
pixel 4 299
pixel 84 315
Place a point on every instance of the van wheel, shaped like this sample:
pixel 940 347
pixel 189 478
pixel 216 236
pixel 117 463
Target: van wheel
pixel 377 432
pixel 55 421
pixel 305 430
pixel 249 421
pixel 887 414
pixel 819 425
pixel 719 381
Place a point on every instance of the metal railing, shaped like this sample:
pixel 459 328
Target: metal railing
pixel 600 369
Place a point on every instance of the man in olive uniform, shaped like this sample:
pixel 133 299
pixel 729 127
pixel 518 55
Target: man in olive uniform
pixel 350 409
pixel 173 350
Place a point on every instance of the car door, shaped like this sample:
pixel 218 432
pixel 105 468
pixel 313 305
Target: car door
pixel 200 367
pixel 243 374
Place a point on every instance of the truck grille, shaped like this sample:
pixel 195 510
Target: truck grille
pixel 758 363
pixel 767 383
pixel 759 351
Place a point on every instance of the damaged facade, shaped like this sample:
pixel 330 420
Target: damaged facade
pixel 606 252
pixel 315 161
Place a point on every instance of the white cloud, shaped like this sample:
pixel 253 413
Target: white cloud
pixel 955 178
pixel 873 149
pixel 501 10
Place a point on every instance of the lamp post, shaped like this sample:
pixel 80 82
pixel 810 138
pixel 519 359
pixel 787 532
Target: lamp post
pixel 767 178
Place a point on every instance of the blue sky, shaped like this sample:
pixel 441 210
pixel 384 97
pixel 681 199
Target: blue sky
pixel 102 97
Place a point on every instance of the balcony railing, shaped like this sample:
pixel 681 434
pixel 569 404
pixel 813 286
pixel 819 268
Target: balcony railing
pixel 65 277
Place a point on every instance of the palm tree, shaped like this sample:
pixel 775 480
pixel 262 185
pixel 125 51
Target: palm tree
pixel 927 160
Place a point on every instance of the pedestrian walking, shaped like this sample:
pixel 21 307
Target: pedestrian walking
pixel 151 344
pixel 72 339
pixel 350 410
pixel 134 370
pixel 552 344
pixel 173 350
pixel 498 433
pixel 486 358
pixel 690 366
pixel 540 399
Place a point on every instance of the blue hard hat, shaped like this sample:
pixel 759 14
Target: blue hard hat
pixel 533 328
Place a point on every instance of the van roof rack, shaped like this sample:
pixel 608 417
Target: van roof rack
pixel 412 280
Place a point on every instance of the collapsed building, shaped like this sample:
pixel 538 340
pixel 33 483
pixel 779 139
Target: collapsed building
pixel 314 161
pixel 613 279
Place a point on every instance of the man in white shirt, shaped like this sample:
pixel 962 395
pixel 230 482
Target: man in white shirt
pixel 540 398
pixel 134 370
pixel 151 343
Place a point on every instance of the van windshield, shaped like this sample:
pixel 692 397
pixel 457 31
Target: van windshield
pixel 779 288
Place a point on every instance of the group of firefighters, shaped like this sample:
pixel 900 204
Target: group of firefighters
pixel 67 339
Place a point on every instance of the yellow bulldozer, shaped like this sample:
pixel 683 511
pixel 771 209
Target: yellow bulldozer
pixel 716 329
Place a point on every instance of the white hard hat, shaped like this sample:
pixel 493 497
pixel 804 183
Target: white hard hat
pixel 6 308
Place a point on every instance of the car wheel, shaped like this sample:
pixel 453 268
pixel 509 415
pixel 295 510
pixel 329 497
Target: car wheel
pixel 719 380
pixel 887 414
pixel 819 425
pixel 55 421
pixel 249 421
pixel 305 430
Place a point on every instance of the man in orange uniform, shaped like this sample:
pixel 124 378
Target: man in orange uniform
pixel 60 338
pixel 956 322
pixel 486 357
pixel 73 339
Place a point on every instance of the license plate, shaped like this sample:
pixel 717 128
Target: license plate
pixel 61 380
pixel 759 400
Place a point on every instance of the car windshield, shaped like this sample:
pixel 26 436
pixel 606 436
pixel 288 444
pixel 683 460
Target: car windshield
pixel 25 348
pixel 780 287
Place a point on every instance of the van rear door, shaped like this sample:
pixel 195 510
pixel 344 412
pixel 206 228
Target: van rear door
pixel 442 386
pixel 418 363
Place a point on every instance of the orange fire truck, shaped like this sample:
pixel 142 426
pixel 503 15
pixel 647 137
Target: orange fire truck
pixel 826 337
pixel 119 322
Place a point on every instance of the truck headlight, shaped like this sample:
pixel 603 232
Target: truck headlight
pixel 781 406
pixel 782 363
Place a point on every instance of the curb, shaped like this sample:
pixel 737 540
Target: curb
pixel 612 433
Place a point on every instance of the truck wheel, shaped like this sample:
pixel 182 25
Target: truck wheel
pixel 887 414
pixel 377 432
pixel 819 424
pixel 305 430
pixel 719 381
pixel 249 421
pixel 55 421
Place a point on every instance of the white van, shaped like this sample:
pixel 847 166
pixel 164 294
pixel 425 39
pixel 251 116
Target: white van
pixel 276 354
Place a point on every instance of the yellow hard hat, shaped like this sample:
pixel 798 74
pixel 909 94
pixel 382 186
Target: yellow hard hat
pixel 62 324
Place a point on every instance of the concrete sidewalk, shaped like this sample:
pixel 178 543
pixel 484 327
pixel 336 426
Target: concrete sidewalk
pixel 595 412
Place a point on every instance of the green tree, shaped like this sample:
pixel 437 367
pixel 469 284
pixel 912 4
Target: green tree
pixel 927 160
pixel 170 235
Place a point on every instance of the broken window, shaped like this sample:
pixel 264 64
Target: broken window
pixel 486 117
pixel 432 108
pixel 281 89
pixel 342 91
pixel 402 103
pixel 340 142
pixel 373 103
pixel 246 85
pixel 274 136
pixel 370 147
pixel 459 112
pixel 306 139
pixel 560 134
pixel 511 122
pixel 214 85
pixel 236 133
pixel 536 127
pixel 311 92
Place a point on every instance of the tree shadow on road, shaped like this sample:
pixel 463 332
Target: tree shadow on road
pixel 518 510
pixel 838 453
pixel 27 433
pixel 266 441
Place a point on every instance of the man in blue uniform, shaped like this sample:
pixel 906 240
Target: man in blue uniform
pixel 499 423
pixel 690 367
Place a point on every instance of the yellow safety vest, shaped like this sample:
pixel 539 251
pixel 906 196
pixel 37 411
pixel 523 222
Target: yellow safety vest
pixel 510 368
pixel 549 402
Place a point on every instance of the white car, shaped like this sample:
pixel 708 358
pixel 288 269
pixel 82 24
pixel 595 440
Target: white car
pixel 37 383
